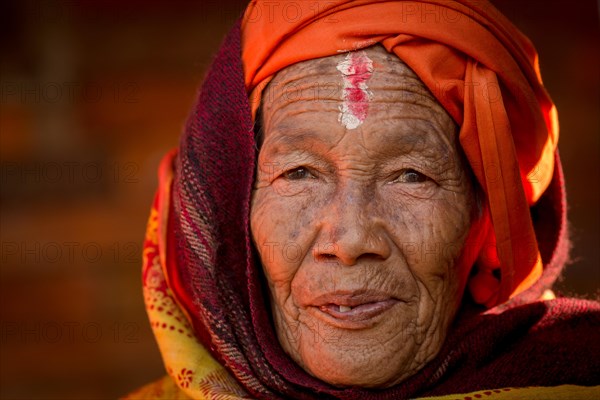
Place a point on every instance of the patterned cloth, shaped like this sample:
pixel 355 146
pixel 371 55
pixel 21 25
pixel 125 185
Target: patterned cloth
pixel 166 389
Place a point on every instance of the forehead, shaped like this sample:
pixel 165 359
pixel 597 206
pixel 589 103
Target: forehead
pixel 309 97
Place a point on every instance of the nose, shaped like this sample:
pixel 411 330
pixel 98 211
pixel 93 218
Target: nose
pixel 352 230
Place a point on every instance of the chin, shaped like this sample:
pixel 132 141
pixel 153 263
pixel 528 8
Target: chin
pixel 344 373
pixel 368 365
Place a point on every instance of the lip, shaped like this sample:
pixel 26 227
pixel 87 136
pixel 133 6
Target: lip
pixel 368 307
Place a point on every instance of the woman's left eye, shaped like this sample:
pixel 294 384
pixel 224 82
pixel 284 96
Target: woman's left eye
pixel 411 176
pixel 297 173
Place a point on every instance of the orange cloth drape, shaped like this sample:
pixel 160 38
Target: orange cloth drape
pixel 478 66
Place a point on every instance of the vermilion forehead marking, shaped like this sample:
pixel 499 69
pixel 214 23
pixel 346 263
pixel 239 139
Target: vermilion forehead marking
pixel 356 70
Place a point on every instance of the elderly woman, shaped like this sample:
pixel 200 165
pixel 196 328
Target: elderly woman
pixel 367 202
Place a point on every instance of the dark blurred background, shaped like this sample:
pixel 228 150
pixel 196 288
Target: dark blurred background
pixel 92 94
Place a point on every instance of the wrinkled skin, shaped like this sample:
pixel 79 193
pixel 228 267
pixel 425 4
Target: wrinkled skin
pixel 386 206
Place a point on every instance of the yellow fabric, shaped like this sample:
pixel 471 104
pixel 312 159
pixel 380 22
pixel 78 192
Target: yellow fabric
pixel 562 392
pixel 188 363
pixel 165 388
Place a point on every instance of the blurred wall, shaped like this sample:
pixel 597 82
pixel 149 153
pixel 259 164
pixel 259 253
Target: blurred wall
pixel 92 95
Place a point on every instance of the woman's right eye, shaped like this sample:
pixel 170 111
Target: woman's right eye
pixel 297 174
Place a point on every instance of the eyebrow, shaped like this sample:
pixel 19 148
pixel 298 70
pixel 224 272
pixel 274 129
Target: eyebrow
pixel 293 139
pixel 423 133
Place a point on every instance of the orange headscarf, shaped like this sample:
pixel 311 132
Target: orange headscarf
pixel 481 69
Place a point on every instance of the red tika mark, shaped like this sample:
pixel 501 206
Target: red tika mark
pixel 357 96
pixel 356 70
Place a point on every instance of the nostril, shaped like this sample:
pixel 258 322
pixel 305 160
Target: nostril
pixel 326 257
pixel 372 256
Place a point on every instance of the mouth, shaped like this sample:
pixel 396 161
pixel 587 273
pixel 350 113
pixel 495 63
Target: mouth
pixel 354 310
pixel 360 311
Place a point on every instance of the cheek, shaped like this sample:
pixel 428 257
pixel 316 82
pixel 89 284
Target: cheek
pixel 281 226
pixel 430 234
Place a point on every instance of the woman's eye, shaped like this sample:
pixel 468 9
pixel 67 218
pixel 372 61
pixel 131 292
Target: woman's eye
pixel 411 176
pixel 297 173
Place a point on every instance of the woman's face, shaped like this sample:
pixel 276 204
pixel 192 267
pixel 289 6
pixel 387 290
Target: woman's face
pixel 361 207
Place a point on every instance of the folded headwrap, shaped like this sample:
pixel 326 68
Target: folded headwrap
pixel 478 66
pixel 203 283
